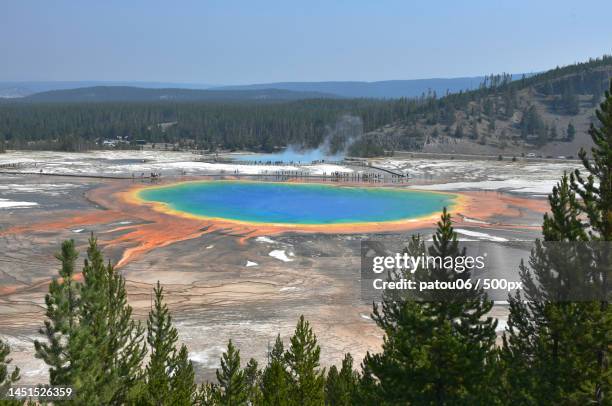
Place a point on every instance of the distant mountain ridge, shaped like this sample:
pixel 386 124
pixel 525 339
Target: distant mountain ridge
pixel 386 89
pixel 138 94
pixel 26 88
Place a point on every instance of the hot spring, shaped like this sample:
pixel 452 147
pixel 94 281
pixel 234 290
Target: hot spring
pixel 294 203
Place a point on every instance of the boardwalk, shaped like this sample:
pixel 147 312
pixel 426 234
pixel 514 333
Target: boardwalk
pixel 368 173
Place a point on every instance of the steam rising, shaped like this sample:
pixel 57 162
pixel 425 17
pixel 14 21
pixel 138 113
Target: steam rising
pixel 335 146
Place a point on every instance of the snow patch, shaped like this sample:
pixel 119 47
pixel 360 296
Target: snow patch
pixel 6 204
pixel 477 234
pixel 265 239
pixel 280 255
pixel 251 263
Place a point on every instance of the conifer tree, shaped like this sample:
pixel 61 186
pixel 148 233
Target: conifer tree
pixel 7 378
pixel 169 374
pixel 571 132
pixel 252 375
pixel 182 381
pixel 332 391
pixel 438 346
pixel 92 342
pixel 233 389
pixel 368 389
pixel 62 317
pixel 341 387
pixel 275 378
pixel 595 192
pixel 109 344
pixel 207 395
pixel 556 348
pixel 302 358
pixel 162 338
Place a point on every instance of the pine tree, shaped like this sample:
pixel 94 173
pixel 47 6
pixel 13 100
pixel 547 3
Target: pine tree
pixel 169 373
pixel 302 358
pixel 571 132
pixel 438 346
pixel 368 389
pixel 233 389
pixel 62 318
pixel 108 342
pixel 458 131
pixel 556 349
pixel 182 381
pixel 7 379
pixel 252 375
pixel 332 390
pixel 341 387
pixel 162 338
pixel 207 395
pixel 553 132
pixel 275 378
pixel 92 343
pixel 596 202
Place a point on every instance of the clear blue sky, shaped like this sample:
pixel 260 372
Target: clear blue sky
pixel 254 41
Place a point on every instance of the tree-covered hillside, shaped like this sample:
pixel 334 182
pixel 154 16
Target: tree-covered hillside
pixel 542 113
pixel 544 110
pixel 251 126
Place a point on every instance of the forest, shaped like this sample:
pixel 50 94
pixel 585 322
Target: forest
pixel 270 125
